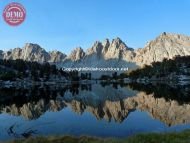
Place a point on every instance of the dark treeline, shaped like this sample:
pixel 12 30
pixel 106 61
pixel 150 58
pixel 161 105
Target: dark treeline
pixel 165 69
pixel 11 69
pixel 177 66
pixel 168 68
pixel 114 76
pixel 19 69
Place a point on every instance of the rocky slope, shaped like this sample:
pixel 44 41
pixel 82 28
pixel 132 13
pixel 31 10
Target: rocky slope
pixel 101 54
pixel 108 53
pixel 32 52
pixel 164 46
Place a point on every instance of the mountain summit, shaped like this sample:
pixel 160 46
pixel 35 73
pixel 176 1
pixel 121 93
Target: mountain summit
pixel 166 45
pixel 33 52
pixel 114 53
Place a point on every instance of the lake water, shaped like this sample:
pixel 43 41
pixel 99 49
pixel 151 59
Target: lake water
pixel 102 110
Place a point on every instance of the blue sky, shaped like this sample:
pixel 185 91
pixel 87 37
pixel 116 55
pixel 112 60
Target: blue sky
pixel 66 24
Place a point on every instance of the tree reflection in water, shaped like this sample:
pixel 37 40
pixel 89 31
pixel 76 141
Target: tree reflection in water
pixel 105 101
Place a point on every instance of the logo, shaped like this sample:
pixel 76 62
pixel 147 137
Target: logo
pixel 14 14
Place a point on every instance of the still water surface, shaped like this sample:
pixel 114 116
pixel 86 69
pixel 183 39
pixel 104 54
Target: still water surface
pixel 102 110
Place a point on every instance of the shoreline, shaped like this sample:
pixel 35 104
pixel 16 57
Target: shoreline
pixel 174 137
pixel 54 82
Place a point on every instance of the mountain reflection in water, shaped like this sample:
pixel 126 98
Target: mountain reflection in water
pixel 168 104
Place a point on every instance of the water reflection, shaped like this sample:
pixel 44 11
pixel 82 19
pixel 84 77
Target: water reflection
pixel 180 93
pixel 26 134
pixel 105 101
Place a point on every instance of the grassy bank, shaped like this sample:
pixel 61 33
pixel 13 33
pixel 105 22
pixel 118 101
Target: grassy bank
pixel 181 137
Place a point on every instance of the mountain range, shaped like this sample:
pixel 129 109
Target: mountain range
pixel 109 53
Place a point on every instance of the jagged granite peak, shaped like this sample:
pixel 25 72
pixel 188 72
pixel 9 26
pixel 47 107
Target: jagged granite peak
pixel 95 49
pixel 167 45
pixel 56 56
pixel 173 36
pixel 107 49
pixel 76 54
pixel 119 44
pixel 12 54
pixel 33 52
pixel 116 50
pixel 105 44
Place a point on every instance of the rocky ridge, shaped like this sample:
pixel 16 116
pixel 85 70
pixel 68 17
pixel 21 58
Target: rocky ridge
pixel 32 52
pixel 108 53
pixel 166 45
